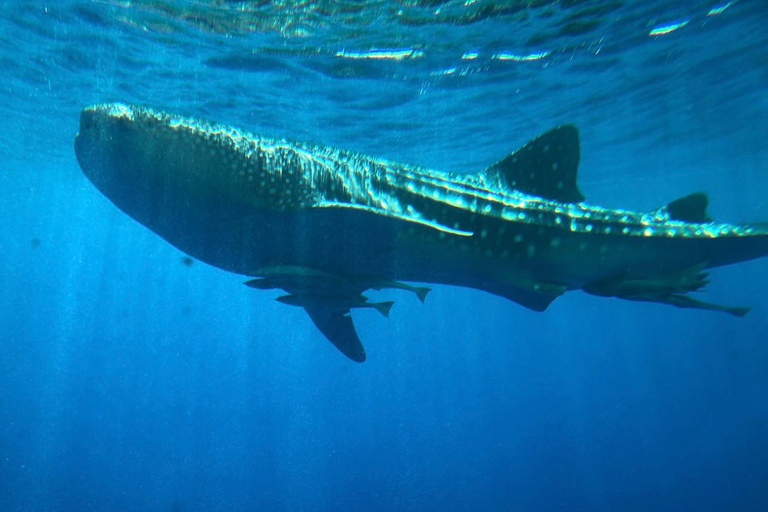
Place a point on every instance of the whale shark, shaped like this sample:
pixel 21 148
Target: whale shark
pixel 326 225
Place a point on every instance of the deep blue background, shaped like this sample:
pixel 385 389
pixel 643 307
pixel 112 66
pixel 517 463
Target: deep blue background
pixel 129 381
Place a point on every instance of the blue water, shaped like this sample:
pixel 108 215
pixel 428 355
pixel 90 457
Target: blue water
pixel 130 381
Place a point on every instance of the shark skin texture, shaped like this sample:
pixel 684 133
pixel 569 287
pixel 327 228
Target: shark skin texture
pixel 325 225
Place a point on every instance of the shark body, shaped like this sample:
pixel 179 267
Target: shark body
pixel 325 224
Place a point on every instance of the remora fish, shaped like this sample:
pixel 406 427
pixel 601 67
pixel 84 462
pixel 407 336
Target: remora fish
pixel 325 225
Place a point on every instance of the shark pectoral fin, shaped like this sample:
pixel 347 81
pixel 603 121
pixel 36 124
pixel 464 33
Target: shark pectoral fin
pixel 337 326
pixel 546 166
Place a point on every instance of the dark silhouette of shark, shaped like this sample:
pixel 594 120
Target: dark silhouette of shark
pixel 325 225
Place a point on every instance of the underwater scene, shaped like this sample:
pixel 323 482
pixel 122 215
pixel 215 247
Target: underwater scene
pixel 455 255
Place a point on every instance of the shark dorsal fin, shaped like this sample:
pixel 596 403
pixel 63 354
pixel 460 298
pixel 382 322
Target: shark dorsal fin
pixel 691 208
pixel 546 166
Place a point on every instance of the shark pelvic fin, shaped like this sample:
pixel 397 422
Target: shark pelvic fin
pixel 690 208
pixel 546 166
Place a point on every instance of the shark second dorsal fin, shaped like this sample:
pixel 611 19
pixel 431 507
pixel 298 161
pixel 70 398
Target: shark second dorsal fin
pixel 546 166
pixel 690 208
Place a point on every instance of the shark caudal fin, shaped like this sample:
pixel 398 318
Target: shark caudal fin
pixel 547 166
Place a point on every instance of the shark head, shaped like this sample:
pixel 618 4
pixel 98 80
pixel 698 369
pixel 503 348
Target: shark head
pixel 208 189
pixel 142 163
pixel 104 148
pixel 142 159
pixel 139 157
